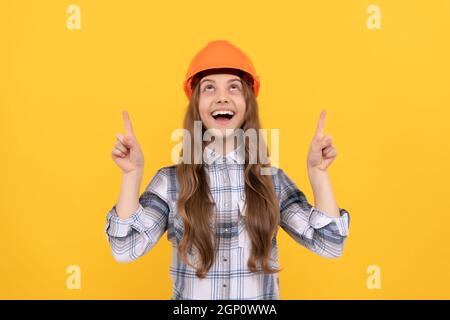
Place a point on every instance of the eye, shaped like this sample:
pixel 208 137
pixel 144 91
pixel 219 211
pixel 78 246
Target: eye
pixel 235 86
pixel 207 87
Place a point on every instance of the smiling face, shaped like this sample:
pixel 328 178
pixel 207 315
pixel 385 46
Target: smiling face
pixel 222 102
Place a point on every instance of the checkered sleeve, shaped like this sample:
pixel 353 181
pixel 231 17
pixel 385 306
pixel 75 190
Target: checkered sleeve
pixel 133 237
pixel 310 227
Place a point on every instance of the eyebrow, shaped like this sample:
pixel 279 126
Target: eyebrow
pixel 234 79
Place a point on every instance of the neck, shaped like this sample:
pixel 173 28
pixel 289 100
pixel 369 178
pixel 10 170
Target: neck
pixel 228 145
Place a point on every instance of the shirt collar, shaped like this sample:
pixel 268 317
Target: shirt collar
pixel 235 156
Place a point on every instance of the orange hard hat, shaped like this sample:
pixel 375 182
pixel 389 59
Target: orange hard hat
pixel 220 54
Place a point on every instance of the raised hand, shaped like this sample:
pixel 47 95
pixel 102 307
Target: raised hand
pixel 127 153
pixel 321 152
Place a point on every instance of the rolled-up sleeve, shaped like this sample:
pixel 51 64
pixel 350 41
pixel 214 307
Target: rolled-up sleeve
pixel 131 238
pixel 310 227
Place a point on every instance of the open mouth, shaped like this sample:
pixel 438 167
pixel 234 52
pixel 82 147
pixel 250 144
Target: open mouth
pixel 222 116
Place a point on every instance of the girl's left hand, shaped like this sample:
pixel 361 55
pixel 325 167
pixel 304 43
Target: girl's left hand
pixel 321 151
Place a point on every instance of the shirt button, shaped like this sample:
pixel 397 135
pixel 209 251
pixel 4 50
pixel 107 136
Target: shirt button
pixel 226 229
pixel 226 204
pixel 224 285
pixel 225 259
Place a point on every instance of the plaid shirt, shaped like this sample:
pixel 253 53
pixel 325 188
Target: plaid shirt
pixel 229 277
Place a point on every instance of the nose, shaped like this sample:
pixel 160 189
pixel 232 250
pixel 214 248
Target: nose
pixel 222 100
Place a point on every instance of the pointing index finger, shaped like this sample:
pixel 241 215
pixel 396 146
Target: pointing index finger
pixel 127 121
pixel 321 124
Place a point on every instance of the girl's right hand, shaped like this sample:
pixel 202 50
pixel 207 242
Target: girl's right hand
pixel 127 153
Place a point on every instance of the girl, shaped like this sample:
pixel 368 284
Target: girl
pixel 222 214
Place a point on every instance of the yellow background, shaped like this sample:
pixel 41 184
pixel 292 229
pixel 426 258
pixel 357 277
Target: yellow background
pixel 387 98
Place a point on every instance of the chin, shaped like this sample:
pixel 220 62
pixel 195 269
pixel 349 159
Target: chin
pixel 227 132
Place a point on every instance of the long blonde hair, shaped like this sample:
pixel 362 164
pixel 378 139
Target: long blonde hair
pixel 196 205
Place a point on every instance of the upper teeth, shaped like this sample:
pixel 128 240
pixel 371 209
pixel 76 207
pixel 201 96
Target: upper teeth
pixel 215 113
